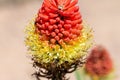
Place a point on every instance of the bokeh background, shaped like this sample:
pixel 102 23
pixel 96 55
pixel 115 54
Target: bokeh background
pixel 102 15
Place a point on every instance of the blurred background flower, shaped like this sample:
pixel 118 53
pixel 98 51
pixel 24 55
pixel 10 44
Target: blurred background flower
pixel 99 65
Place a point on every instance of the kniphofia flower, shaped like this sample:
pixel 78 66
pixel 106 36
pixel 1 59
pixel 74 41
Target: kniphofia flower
pixel 57 35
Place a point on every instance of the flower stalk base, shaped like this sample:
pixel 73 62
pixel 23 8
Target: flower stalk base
pixel 54 72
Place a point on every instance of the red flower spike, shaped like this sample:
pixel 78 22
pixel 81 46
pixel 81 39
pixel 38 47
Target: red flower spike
pixel 56 19
pixel 67 26
pixel 53 34
pixel 57 38
pixel 55 26
pixel 67 2
pixel 42 31
pixel 60 41
pixel 70 36
pixel 53 2
pixel 47 24
pixel 99 62
pixel 57 30
pixel 43 26
pixel 66 39
pixel 59 26
pixel 48 10
pixel 39 26
pixel 72 4
pixel 50 28
pixel 47 33
pixel 52 41
pixel 74 36
pixel 68 21
pixel 44 17
pixel 66 33
pixel 60 35
pixel 52 21
pixel 52 15
pixel 61 22
pixel 61 30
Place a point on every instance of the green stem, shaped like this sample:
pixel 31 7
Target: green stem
pixel 80 75
pixel 57 76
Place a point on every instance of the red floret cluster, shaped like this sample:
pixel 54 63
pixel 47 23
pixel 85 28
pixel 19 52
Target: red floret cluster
pixel 58 21
pixel 99 62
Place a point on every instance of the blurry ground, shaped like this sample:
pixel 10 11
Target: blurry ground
pixel 102 15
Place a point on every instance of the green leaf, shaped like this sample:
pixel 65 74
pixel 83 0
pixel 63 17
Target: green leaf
pixel 79 74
